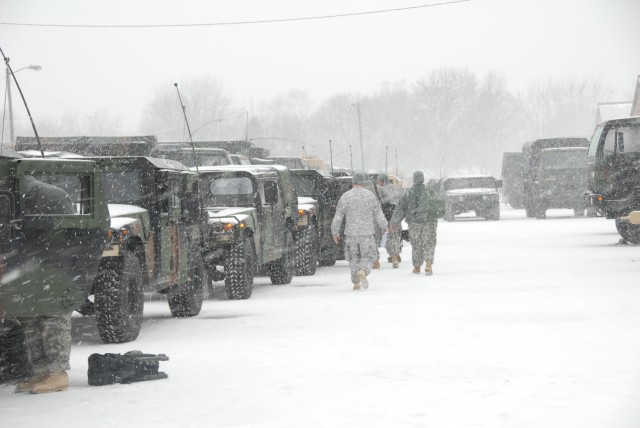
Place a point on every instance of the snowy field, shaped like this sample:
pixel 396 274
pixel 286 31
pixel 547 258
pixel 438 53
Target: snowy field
pixel 525 323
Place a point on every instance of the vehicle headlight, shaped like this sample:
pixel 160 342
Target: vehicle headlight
pixel 461 198
pixel 485 197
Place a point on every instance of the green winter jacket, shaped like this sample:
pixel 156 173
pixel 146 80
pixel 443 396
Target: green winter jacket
pixel 421 204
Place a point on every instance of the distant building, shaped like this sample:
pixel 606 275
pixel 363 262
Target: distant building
pixel 613 110
pixel 635 108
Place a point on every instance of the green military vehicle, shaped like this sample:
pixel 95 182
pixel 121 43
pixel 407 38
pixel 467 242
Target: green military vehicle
pixel 53 224
pixel 252 219
pixel 192 156
pixel 562 179
pixel 534 188
pixel 471 193
pixel 154 243
pixel 318 195
pixel 613 165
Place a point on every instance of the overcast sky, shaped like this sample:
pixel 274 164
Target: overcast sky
pixel 118 69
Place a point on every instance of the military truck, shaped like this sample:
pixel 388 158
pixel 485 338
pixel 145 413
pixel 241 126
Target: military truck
pixel 613 165
pixel 192 156
pixel 318 195
pixel 53 223
pixel 562 179
pixel 289 162
pixel 252 219
pixel 532 152
pixel 471 193
pixel 513 166
pixel 155 243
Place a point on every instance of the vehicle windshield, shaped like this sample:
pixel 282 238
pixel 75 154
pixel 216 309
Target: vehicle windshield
pixel 470 183
pixel 305 186
pixel 230 192
pixel 240 160
pixel 564 159
pixel 123 187
pixel 623 139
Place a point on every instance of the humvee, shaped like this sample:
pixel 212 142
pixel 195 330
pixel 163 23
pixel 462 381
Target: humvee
pixel 318 195
pixel 155 243
pixel 252 219
pixel 53 223
pixel 613 165
pixel 472 193
pixel 562 179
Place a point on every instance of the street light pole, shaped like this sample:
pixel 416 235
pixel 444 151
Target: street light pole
pixel 360 132
pixel 12 137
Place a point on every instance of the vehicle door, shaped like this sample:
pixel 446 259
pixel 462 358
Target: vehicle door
pixel 169 234
pixel 273 219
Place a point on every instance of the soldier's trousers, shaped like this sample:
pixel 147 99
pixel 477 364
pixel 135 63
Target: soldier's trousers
pixel 394 242
pixel 423 238
pixel 360 252
pixel 48 343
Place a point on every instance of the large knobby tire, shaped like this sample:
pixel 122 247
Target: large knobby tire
pixel 448 212
pixel 119 299
pixel 493 213
pixel 185 300
pixel 281 270
pixel 306 252
pixel 329 255
pixel 239 269
pixel 629 232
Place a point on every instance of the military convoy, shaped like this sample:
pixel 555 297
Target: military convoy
pixel 471 193
pixel 613 164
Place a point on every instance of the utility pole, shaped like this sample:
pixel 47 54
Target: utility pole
pixel 11 131
pixel 386 159
pixel 360 132
pixel 351 157
pixel 397 164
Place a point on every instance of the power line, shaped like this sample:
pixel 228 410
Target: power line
pixel 218 24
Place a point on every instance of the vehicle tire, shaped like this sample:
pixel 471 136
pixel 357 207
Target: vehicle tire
pixel 448 213
pixel 629 232
pixel 281 270
pixel 328 255
pixel 306 252
pixel 119 299
pixel 578 212
pixel 239 269
pixel 185 300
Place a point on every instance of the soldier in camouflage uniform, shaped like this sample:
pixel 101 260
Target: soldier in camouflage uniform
pixel 48 338
pixel 390 195
pixel 420 206
pixel 362 211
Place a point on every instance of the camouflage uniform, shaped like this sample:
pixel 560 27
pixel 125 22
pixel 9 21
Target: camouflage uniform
pixel 420 207
pixel 48 342
pixel 362 211
pixel 391 194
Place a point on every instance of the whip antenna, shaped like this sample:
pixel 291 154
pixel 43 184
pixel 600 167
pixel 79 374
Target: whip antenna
pixel 184 112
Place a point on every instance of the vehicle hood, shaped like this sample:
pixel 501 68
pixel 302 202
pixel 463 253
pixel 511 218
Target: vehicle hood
pixel 122 210
pixel 480 191
pixel 306 203
pixel 229 213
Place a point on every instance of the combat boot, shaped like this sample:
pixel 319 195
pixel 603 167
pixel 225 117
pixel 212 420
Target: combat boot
pixel 399 259
pixel 416 269
pixel 395 262
pixel 428 269
pixel 362 279
pixel 27 385
pixel 376 265
pixel 53 382
pixel 356 286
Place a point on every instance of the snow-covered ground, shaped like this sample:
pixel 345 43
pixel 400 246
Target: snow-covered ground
pixel 525 323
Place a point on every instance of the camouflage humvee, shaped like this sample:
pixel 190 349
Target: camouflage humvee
pixel 252 214
pixel 53 223
pixel 154 243
pixel 318 195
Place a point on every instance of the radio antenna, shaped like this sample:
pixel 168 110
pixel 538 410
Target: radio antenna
pixel 184 112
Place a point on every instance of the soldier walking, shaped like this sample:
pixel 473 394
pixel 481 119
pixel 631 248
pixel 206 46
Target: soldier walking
pixel 362 211
pixel 390 195
pixel 421 206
